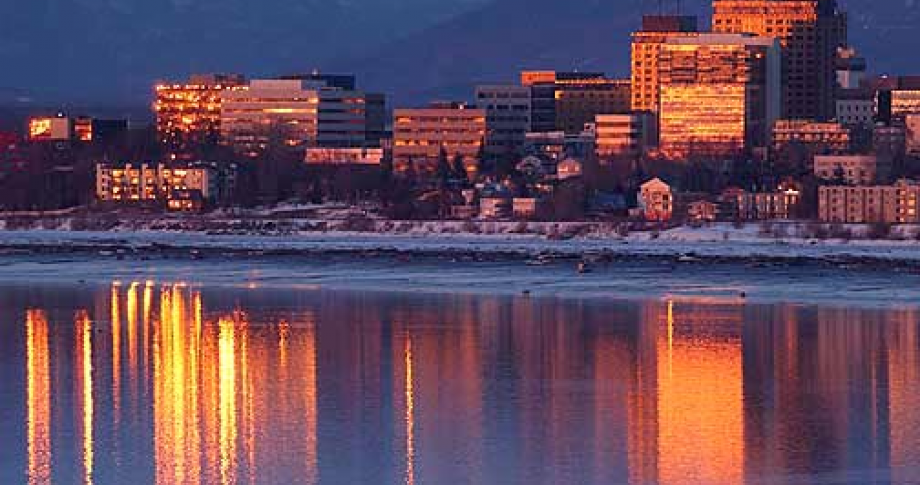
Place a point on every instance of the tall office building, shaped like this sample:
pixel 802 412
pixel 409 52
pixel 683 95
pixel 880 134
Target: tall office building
pixel 297 113
pixel 341 81
pixel 508 109
pixel 809 31
pixel 188 113
pixel 579 102
pixel 546 97
pixel 646 43
pixel 719 94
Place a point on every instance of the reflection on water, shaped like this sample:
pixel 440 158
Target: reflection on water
pixel 38 397
pixel 170 385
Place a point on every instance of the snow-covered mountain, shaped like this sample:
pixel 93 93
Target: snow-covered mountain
pixel 94 50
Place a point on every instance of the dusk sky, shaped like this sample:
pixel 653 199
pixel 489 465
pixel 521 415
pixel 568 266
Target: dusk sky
pixel 85 51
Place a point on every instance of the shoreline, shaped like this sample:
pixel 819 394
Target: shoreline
pixel 682 245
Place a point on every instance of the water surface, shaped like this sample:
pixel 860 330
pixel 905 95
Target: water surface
pixel 147 382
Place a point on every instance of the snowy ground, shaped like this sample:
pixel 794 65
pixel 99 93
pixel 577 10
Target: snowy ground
pixel 740 265
pixel 719 241
pixel 719 282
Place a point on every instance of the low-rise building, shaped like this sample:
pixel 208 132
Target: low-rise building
pixel 421 136
pixel 856 107
pixel 890 141
pixel 529 207
pixel 850 169
pixel 536 166
pixel 622 135
pixel 344 156
pixel 702 211
pixel 888 204
pixel 570 168
pixel 656 200
pixel 810 137
pixel 495 207
pixel 760 206
pixel 178 188
pixel 557 145
pixel 912 134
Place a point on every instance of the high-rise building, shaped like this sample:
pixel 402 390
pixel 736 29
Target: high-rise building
pixel 421 135
pixel 579 101
pixel 295 113
pixel 508 110
pixel 341 81
pixel 376 111
pixel 810 32
pixel 563 100
pixel 188 113
pixel 646 43
pixel 720 94
pixel 851 69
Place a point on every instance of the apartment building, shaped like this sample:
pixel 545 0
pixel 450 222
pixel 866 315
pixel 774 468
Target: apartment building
pixel 179 188
pixel 851 169
pixel 889 204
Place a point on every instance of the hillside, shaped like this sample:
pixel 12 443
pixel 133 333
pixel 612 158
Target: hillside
pixel 111 50
pixel 493 43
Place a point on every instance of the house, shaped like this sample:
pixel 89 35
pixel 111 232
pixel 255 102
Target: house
pixel 569 168
pixel 495 207
pixel 702 211
pixel 529 207
pixel 656 200
pixel 536 167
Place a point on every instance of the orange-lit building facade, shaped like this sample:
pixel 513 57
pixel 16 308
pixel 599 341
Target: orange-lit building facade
pixel 421 134
pixel 623 135
pixel 810 32
pixel 656 199
pixel 809 138
pixel 889 204
pixel 179 188
pixel 188 113
pixel 294 113
pixel 719 94
pixel 646 44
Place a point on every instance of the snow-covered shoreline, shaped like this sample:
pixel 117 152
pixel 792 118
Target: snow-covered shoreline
pixel 714 241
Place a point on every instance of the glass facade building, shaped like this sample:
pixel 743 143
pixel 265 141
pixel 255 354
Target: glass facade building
pixel 719 94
